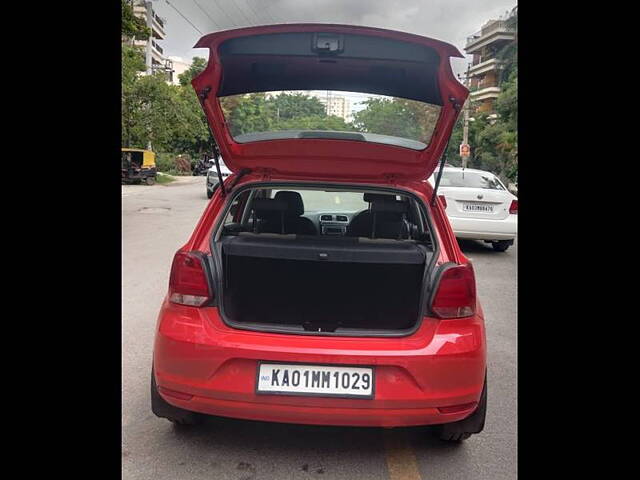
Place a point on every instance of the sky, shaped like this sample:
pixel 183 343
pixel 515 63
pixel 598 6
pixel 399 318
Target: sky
pixel 447 20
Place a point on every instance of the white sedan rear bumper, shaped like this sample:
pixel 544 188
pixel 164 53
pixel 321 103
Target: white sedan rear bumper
pixel 484 229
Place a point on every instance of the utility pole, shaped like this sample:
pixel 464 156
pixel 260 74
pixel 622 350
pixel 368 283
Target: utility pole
pixel 465 127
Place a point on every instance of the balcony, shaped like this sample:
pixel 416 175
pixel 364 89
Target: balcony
pixel 157 47
pixel 498 30
pixel 485 66
pixel 484 93
pixel 157 26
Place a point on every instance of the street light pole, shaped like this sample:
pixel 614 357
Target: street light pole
pixel 465 127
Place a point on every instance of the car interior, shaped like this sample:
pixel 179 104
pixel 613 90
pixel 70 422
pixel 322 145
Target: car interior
pixel 385 216
pixel 323 269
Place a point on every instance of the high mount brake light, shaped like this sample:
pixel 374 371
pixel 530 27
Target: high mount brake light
pixel 188 280
pixel 514 207
pixel 456 293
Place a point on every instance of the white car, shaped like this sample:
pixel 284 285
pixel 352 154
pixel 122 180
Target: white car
pixel 212 177
pixel 479 206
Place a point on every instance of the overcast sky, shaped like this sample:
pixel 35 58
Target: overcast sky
pixel 448 20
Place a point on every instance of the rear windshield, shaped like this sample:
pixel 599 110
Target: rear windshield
pixel 471 180
pixel 330 114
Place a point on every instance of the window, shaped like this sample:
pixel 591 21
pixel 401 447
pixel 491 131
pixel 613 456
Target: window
pixel 330 201
pixel 285 114
pixel 471 180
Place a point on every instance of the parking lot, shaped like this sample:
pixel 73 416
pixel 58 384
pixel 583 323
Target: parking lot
pixel 156 221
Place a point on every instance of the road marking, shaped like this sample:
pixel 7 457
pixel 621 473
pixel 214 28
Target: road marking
pixel 401 460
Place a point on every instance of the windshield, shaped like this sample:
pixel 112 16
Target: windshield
pixel 471 180
pixel 319 201
pixel 330 114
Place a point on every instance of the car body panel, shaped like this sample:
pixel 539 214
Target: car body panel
pixel 212 367
pixel 440 365
pixel 337 159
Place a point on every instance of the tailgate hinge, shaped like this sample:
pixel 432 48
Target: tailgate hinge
pixel 204 93
pixel 391 177
pixel 266 174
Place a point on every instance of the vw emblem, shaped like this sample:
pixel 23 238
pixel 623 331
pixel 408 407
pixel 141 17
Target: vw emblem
pixel 480 197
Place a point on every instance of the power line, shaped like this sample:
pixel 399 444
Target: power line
pixel 204 11
pixel 241 12
pixel 254 12
pixel 232 22
pixel 180 13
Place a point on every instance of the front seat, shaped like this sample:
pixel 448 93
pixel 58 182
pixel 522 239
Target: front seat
pixel 361 224
pixel 293 221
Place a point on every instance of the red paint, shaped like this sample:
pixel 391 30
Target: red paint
pixel 434 375
pixel 337 159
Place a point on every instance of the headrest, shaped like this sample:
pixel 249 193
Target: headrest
pixel 267 207
pixel 394 206
pixel 293 200
pixel 378 197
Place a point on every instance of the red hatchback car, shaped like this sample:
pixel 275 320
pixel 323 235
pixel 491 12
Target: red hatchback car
pixel 323 284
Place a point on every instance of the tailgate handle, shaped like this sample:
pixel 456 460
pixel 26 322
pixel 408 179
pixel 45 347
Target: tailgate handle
pixel 327 43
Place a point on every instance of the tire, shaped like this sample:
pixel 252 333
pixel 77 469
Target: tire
pixel 175 415
pixel 150 180
pixel 459 431
pixel 501 245
pixel 209 193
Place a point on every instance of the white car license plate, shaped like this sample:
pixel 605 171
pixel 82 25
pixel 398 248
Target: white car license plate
pixel 315 380
pixel 477 207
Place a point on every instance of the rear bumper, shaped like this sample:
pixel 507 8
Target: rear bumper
pixel 441 365
pixel 483 229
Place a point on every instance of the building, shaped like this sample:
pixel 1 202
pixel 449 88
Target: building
pixel 154 53
pixel 179 66
pixel 337 105
pixel 484 71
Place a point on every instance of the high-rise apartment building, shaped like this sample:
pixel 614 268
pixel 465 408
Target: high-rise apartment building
pixel 155 60
pixel 484 71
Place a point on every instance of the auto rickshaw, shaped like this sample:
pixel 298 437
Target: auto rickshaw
pixel 138 166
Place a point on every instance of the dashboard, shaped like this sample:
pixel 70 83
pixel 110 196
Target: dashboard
pixel 331 223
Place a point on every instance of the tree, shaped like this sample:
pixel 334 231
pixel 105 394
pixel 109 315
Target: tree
pixel 132 65
pixel 133 27
pixel 398 117
pixel 198 64
pixel 289 106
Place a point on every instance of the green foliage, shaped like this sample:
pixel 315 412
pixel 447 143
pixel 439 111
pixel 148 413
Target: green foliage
pixel 165 162
pixel 132 26
pixel 163 179
pixel 290 106
pixel 256 112
pixel 398 117
pixel 198 64
pixel 168 117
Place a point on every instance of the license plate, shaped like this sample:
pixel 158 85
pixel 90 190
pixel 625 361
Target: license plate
pixel 315 380
pixel 477 207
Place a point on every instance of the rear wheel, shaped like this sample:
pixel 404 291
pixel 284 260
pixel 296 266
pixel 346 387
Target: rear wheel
pixel 461 430
pixel 150 180
pixel 161 408
pixel 209 193
pixel 501 245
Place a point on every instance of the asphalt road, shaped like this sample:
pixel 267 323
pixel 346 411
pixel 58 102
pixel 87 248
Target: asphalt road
pixel 156 221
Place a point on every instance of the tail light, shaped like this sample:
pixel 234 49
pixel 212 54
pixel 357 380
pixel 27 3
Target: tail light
pixel 443 200
pixel 188 283
pixel 514 207
pixel 455 295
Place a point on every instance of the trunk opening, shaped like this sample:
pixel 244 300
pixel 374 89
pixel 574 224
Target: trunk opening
pixel 320 284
